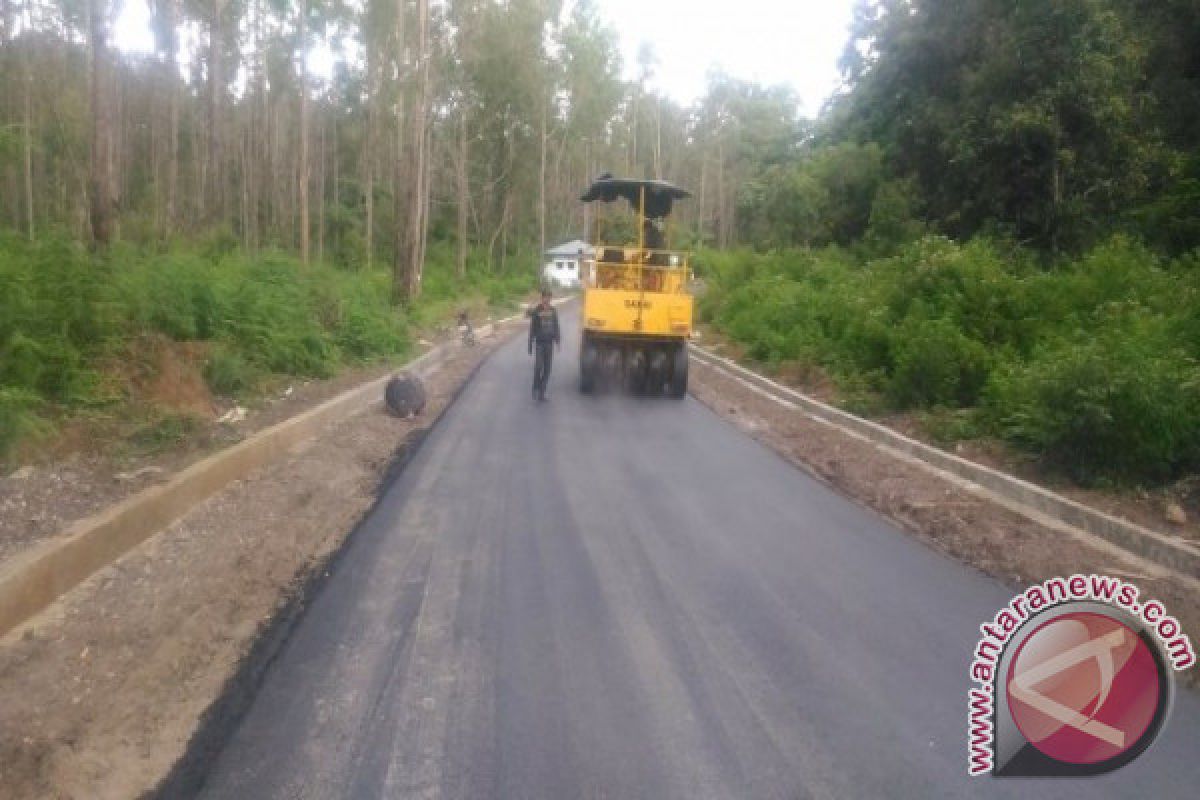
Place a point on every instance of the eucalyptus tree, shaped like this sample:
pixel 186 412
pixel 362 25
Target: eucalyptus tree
pixel 102 188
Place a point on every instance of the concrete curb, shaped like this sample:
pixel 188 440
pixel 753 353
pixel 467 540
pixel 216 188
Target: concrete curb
pixel 35 579
pixel 1152 545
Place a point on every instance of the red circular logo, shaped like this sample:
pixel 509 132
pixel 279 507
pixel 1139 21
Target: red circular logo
pixel 1083 688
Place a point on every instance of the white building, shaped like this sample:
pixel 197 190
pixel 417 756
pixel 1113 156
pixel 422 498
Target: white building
pixel 565 264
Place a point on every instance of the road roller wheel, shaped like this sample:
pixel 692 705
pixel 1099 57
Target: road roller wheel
pixel 635 371
pixel 679 372
pixel 589 365
pixel 657 371
pixel 612 369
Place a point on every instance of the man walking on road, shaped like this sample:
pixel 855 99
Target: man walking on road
pixel 543 332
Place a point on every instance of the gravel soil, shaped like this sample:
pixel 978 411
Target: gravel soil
pixel 39 500
pixel 100 694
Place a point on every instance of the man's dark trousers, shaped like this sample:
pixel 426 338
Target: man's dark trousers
pixel 543 359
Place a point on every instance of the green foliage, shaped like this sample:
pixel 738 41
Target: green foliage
pixel 893 221
pixel 18 417
pixel 826 196
pixel 64 315
pixel 54 316
pixel 444 290
pixel 1123 406
pixel 275 314
pixel 162 432
pixel 1091 365
pixel 950 425
pixel 227 372
pixel 1028 119
pixel 936 364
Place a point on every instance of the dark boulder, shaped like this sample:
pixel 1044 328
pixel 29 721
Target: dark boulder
pixel 405 395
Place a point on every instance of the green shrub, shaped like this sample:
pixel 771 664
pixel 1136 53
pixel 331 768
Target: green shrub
pixel 1124 407
pixel 65 314
pixel 18 418
pixel 1053 355
pixel 937 365
pixel 162 432
pixel 227 372
pixel 969 285
pixel 947 426
pixel 866 344
pixel 54 319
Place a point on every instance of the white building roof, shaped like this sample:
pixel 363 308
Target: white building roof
pixel 571 248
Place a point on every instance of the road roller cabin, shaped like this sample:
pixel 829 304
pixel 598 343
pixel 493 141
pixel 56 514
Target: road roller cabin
pixel 637 309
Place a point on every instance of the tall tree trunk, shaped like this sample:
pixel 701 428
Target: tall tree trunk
pixel 116 141
pixel 463 191
pixel 658 137
pixel 722 242
pixel 413 254
pixel 304 169
pixel 542 183
pixel 173 122
pixel 29 149
pixel 399 195
pixel 369 198
pixel 213 173
pixel 426 188
pixel 634 171
pixel 1056 189
pixel 103 194
pixel 368 155
pixel 247 208
pixel 335 177
pixel 504 217
pixel 491 252
pixel 588 234
pixel 321 198
pixel 265 207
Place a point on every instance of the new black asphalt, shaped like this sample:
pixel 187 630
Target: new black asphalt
pixel 613 597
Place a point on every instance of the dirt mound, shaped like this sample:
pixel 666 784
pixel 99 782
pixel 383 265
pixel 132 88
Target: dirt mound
pixel 168 374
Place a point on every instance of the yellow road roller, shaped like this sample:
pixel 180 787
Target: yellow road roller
pixel 637 310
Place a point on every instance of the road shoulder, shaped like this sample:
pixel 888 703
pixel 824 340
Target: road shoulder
pixel 100 695
pixel 942 514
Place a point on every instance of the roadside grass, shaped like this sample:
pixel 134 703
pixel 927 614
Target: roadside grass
pixel 161 432
pixel 1091 365
pixel 68 318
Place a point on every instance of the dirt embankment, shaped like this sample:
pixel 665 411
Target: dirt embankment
pixel 962 524
pixel 100 695
pixel 95 463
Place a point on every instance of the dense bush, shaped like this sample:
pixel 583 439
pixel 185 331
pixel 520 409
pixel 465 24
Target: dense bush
pixel 17 416
pixel 936 364
pixel 65 313
pixel 55 313
pixel 227 372
pixel 1091 364
pixel 1125 405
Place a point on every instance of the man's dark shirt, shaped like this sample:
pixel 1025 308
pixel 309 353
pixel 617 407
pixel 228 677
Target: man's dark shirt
pixel 543 325
pixel 652 237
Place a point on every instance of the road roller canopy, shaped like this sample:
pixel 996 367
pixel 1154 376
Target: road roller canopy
pixel 658 196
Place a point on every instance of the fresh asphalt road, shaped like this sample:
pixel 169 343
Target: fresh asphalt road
pixel 622 598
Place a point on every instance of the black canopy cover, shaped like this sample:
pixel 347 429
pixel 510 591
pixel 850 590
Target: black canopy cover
pixel 660 195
